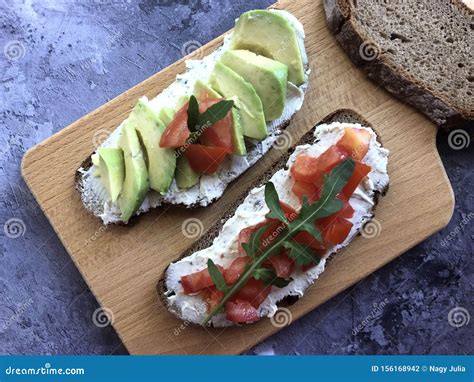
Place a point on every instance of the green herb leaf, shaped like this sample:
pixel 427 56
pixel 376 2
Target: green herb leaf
pixel 309 213
pixel 273 203
pixel 216 276
pixel 193 114
pixel 269 277
pixel 214 114
pixel 253 246
pixel 301 254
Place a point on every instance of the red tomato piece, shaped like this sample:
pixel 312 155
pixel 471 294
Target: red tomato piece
pixel 177 132
pixel 233 273
pixel 310 169
pixel 361 170
pixel 212 297
pixel 244 236
pixel 241 311
pixel 308 240
pixel 355 143
pixel 310 190
pixel 254 291
pixel 336 232
pixel 205 159
pixel 197 281
pixel 220 133
pixel 282 264
pixel 336 227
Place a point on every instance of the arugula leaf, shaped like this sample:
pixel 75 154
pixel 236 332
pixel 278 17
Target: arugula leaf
pixel 301 254
pixel 253 246
pixel 214 114
pixel 269 277
pixel 216 276
pixel 327 205
pixel 273 203
pixel 193 114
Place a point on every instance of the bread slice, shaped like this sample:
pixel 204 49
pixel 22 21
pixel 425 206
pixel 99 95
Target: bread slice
pixel 420 51
pixel 206 240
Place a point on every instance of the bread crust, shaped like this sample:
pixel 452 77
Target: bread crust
pixel 393 77
pixel 340 115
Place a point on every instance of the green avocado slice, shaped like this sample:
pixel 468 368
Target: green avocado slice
pixel 135 185
pixel 267 76
pixel 112 170
pixel 270 34
pixel 233 86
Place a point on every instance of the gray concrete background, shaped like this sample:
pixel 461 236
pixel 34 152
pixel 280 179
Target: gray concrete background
pixel 62 59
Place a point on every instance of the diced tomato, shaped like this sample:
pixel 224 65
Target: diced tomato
pixel 282 264
pixel 205 159
pixel 220 133
pixel 336 227
pixel 241 311
pixel 177 132
pixel 355 143
pixel 196 281
pixel 361 170
pixel 254 291
pixel 212 297
pixel 336 232
pixel 310 169
pixel 309 190
pixel 305 168
pixel 233 273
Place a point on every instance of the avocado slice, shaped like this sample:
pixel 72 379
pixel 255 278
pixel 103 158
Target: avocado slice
pixel 267 76
pixel 161 162
pixel 186 177
pixel 270 34
pixel 238 142
pixel 166 115
pixel 112 167
pixel 231 85
pixel 135 185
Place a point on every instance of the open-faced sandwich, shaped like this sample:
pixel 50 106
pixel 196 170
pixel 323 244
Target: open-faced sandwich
pixel 214 122
pixel 276 240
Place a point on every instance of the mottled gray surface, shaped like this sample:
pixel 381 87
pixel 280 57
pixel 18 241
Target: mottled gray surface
pixel 60 60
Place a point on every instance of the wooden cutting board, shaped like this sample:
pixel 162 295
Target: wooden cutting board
pixel 121 265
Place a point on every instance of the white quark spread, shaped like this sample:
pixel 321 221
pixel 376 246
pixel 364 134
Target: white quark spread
pixel 253 210
pixel 210 187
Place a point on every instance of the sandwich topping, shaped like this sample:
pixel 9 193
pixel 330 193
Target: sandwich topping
pixel 207 128
pixel 279 238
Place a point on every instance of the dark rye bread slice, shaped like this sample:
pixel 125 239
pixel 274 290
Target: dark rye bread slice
pixel 341 115
pixel 420 51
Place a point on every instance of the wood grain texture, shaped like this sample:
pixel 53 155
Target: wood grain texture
pixel 122 264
